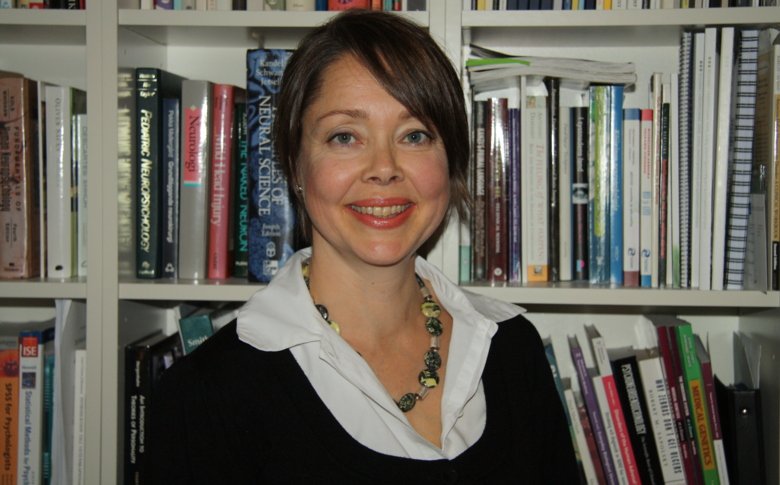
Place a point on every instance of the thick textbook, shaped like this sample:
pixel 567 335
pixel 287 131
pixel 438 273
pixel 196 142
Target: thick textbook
pixel 271 213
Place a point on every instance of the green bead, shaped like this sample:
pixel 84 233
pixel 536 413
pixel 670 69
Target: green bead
pixel 433 326
pixel 430 309
pixel 429 378
pixel 407 402
pixel 432 359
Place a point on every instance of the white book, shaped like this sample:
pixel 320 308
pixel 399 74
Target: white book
pixel 659 408
pixel 646 228
pixel 573 403
pixel 631 194
pixel 696 160
pixel 708 138
pixel 79 416
pixel 722 153
pixel 301 5
pixel 564 190
pixel 79 124
pixel 58 182
pixel 673 270
pixel 656 104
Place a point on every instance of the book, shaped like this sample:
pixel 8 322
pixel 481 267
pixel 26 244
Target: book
pixel 616 185
pixel 152 86
pixel 578 414
pixel 632 146
pixel 742 431
pixel 514 196
pixel 171 159
pixel 30 435
pixel 194 329
pixel 585 379
pixel 479 222
pixel 48 410
pixel 646 226
pixel 145 362
pixel 628 384
pixel 658 182
pixel 553 87
pixel 496 168
pixel 271 215
pixel 580 193
pixel 599 185
pixel 622 448
pixel 126 163
pixel 9 384
pixel 79 417
pixel 664 177
pixel 80 169
pixel 221 173
pixel 197 105
pixel 707 155
pixel 19 210
pixel 535 167
pixel 684 119
pixel 662 418
pixel 565 219
pixel 697 102
pixel 708 377
pixel 241 193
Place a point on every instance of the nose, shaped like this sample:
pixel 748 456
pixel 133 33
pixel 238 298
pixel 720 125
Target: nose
pixel 382 166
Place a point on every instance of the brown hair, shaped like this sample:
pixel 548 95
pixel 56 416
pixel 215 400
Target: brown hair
pixel 405 60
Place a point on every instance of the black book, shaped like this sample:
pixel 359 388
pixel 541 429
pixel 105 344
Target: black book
pixel 152 86
pixel 145 362
pixel 579 194
pixel 743 440
pixel 553 231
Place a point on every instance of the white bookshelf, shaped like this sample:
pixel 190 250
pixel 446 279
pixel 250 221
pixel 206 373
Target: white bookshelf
pixel 86 48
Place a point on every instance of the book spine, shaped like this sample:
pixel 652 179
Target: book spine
pixel 714 413
pixel 271 215
pixel 673 268
pixel 30 407
pixel 697 402
pixel 479 237
pixel 149 172
pixel 565 152
pixel 171 162
pixel 18 215
pixel 594 412
pixel 581 444
pixel 646 229
pixel 685 109
pixel 662 419
pixel 79 416
pixel 742 160
pixel 126 167
pixel 708 139
pixel 774 176
pixel 9 412
pixel 58 182
pixel 630 391
pixel 48 411
pixel 136 384
pixel 579 193
pixel 609 427
pixel 631 195
pixel 656 103
pixel 195 174
pixel 496 179
pixel 241 194
pixel 536 226
pixel 553 173
pixel 80 177
pixel 664 189
pixel 514 199
pixel 697 131
pixel 616 186
pixel 219 203
pixel 598 185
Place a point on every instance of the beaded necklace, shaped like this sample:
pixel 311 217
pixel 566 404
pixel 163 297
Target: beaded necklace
pixel 428 377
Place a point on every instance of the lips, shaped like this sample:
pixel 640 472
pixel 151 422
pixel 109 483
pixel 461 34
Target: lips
pixel 383 214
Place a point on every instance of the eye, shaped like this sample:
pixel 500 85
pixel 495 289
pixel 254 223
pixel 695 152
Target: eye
pixel 418 137
pixel 342 139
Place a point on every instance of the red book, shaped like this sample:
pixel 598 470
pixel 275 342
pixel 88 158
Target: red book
pixel 347 4
pixel 219 190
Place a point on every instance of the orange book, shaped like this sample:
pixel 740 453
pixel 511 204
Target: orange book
pixel 9 413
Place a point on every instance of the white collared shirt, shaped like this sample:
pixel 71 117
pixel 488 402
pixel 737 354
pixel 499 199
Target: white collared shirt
pixel 282 316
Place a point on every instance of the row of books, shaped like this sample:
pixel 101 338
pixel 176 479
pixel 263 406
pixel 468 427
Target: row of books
pixel 43 4
pixel 291 5
pixel 573 185
pixel 201 194
pixel 43 398
pixel 656 413
pixel 43 159
pixel 179 330
pixel 608 4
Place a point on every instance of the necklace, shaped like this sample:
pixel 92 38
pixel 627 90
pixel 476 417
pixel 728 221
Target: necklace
pixel 428 377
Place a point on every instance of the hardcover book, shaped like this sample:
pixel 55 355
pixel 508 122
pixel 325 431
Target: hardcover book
pixel 272 237
pixel 241 193
pixel 152 86
pixel 195 173
pixel 170 202
pixel 19 211
pixel 126 165
pixel 599 185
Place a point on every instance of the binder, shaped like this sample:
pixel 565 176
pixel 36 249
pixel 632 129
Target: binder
pixel 740 408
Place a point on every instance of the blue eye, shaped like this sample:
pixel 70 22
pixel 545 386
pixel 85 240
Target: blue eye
pixel 342 138
pixel 418 137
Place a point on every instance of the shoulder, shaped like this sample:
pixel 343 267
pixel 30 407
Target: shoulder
pixel 518 348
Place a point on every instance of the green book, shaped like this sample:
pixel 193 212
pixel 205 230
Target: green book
pixel 195 329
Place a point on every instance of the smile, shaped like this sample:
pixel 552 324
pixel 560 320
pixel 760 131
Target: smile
pixel 382 212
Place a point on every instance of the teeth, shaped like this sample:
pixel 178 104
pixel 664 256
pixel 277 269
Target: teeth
pixel 381 211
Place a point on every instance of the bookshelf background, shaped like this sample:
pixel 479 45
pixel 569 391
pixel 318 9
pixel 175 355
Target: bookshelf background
pixel 86 48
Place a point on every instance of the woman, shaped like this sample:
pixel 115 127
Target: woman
pixel 360 362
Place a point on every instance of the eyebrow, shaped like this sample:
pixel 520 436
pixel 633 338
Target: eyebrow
pixel 356 113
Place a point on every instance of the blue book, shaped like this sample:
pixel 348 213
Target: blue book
pixel 271 213
pixel 598 185
pixel 616 186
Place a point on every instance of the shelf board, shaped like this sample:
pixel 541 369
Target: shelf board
pixel 643 19
pixel 225 28
pixel 569 294
pixel 43 289
pixel 43 27
pixel 205 290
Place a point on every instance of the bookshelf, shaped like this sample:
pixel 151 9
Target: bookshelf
pixel 86 49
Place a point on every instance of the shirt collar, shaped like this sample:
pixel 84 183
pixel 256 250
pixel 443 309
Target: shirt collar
pixel 282 315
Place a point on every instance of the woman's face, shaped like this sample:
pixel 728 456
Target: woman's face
pixel 374 177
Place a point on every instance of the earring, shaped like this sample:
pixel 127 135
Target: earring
pixel 298 189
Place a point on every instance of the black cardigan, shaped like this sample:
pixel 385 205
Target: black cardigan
pixel 231 414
